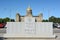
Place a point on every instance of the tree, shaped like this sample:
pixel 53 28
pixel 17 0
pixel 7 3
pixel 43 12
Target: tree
pixel 12 20
pixel 53 19
pixel 1 20
pixel 6 19
pixel 45 20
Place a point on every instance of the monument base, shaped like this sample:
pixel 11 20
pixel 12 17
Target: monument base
pixel 29 37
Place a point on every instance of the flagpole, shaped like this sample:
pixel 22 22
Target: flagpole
pixel 10 15
pixel 48 14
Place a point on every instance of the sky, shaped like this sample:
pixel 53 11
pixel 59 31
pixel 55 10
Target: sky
pixel 9 8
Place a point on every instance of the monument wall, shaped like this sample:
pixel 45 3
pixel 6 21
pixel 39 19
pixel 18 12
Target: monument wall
pixel 37 29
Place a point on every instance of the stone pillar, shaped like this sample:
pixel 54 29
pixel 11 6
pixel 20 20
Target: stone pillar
pixel 40 17
pixel 18 17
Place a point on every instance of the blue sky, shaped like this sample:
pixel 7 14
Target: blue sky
pixel 9 8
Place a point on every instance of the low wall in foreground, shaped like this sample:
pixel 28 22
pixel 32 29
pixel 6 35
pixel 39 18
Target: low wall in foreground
pixel 32 30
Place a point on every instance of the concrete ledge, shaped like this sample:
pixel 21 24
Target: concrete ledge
pixel 30 37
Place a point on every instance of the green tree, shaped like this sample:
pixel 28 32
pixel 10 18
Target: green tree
pixel 1 20
pixel 53 19
pixel 6 19
pixel 12 20
pixel 58 20
pixel 45 20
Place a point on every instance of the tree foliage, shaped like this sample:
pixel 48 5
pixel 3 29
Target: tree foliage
pixel 12 20
pixel 53 19
pixel 45 20
pixel 1 20
pixel 4 20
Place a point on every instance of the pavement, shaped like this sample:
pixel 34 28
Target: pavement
pixel 56 32
pixel 57 38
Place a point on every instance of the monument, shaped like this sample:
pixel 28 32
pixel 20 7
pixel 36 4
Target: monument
pixel 29 27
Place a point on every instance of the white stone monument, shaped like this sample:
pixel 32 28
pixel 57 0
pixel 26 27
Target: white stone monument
pixel 29 29
pixel 29 25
